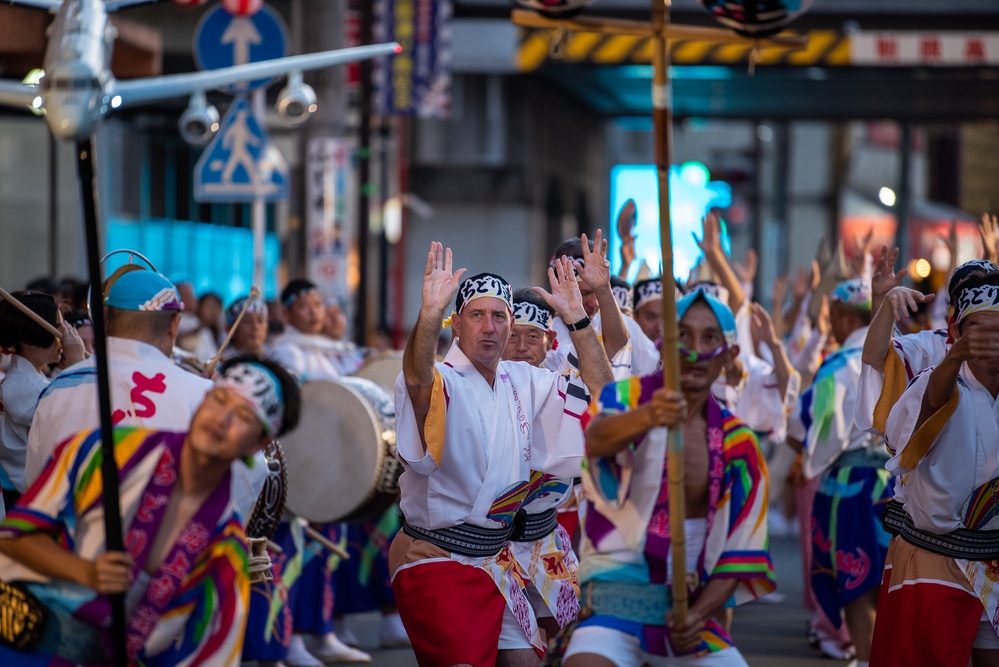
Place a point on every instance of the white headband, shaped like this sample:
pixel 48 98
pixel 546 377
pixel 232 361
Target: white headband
pixel 261 390
pixel 529 314
pixel 977 300
pixel 648 291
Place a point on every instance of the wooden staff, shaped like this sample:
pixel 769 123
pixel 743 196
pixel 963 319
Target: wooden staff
pixel 314 534
pixel 210 367
pixel 35 317
pixel 662 118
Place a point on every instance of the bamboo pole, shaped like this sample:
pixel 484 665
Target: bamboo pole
pixel 35 317
pixel 662 118
pixel 210 367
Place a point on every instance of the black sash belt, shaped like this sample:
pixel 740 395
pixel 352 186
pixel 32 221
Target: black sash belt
pixel 476 541
pixel 465 539
pixel 893 516
pixel 960 543
pixel 534 526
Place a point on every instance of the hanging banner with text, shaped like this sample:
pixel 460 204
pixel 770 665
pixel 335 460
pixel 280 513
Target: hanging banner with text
pixel 417 82
pixel 329 193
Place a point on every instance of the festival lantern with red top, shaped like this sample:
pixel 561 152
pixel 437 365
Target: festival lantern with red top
pixel 756 18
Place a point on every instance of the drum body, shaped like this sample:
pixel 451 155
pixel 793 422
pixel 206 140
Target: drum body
pixel 382 369
pixel 341 459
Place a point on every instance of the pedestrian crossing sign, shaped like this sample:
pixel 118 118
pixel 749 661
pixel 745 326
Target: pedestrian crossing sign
pixel 241 164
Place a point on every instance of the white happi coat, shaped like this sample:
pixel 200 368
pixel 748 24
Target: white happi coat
pixel 19 392
pixel 916 352
pixel 839 372
pixel 940 467
pixel 312 357
pixel 148 390
pixel 757 399
pixel 640 354
pixel 959 458
pixel 493 438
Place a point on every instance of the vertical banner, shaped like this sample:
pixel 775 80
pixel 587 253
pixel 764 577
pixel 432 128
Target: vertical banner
pixel 329 193
pixel 417 82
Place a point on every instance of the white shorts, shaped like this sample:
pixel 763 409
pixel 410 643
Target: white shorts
pixel 512 635
pixel 624 650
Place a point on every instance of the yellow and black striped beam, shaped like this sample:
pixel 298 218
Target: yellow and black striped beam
pixel 825 48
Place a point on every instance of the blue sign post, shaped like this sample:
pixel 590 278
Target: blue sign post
pixel 242 163
pixel 224 40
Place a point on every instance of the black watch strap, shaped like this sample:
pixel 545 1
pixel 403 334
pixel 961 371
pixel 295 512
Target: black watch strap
pixel 582 324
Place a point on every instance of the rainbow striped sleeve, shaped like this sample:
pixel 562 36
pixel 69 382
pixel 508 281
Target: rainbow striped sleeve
pixel 615 398
pixel 746 555
pixel 48 504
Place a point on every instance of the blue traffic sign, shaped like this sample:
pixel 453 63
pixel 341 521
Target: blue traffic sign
pixel 224 40
pixel 241 164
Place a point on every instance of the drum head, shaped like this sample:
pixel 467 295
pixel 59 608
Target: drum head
pixel 334 455
pixel 382 369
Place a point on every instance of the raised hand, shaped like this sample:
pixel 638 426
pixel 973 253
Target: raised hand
pixel 884 278
pixel 903 300
pixel 626 230
pixel 747 272
pixel 710 241
pixel 863 247
pixel 565 297
pixel 823 322
pixel 594 270
pixel 439 283
pixel 73 349
pixel 762 326
pixel 989 231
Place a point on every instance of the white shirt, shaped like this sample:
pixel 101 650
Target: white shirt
pixel 963 455
pixel 917 351
pixel 311 357
pixel 19 394
pixel 839 374
pixel 757 399
pixel 641 357
pixel 493 438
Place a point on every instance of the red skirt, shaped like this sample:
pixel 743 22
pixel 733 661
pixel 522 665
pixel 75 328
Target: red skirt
pixel 928 614
pixel 453 613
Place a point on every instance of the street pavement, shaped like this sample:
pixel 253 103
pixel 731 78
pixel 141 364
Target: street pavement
pixel 769 635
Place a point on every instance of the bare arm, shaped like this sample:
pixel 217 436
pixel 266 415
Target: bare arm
pixel 439 288
pixel 763 327
pixel 595 272
pixel 110 573
pixel 894 307
pixel 710 244
pixel 565 298
pixel 977 342
pixel 607 435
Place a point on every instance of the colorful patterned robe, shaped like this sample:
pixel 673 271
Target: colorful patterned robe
pixel 627 527
pixel 193 612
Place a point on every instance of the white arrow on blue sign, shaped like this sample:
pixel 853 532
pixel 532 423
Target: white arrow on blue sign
pixel 242 163
pixel 224 40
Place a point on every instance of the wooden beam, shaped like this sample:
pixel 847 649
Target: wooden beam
pixel 530 19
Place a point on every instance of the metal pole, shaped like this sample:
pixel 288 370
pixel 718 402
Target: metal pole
pixel 904 195
pixel 662 117
pixel 109 467
pixel 364 179
pixel 259 220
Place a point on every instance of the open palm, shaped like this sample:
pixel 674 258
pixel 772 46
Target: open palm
pixel 439 283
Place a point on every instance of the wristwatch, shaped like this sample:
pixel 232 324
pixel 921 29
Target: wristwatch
pixel 576 326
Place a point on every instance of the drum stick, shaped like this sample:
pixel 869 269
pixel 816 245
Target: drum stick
pixel 274 547
pixel 210 367
pixel 30 313
pixel 329 546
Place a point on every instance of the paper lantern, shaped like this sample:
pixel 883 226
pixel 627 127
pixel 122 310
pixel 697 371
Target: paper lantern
pixel 756 18
pixel 242 7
